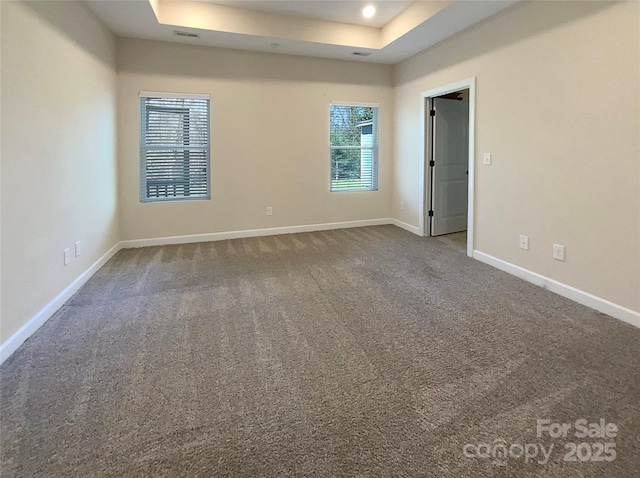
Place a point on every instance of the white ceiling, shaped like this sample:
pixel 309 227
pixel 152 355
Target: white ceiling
pixel 326 29
pixel 344 11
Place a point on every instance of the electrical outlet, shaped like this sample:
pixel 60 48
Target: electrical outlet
pixel 524 242
pixel 487 159
pixel 67 256
pixel 269 211
pixel 558 252
pixel 77 248
pixel 402 205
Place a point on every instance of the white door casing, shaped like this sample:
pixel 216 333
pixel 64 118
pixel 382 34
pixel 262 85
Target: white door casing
pixel 426 97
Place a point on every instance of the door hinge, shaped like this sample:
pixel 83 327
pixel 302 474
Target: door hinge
pixel 430 213
pixel 432 163
pixel 432 112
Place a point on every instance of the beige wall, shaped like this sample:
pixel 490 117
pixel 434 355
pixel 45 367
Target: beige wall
pixel 58 151
pixel 557 104
pixel 269 137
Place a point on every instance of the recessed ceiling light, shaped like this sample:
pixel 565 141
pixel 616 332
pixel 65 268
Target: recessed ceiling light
pixel 369 11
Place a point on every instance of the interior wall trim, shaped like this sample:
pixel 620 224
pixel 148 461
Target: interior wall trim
pixel 576 295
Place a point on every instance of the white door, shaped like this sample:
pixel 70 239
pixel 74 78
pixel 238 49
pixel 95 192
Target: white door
pixel 449 173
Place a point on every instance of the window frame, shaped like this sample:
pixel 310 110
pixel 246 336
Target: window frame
pixel 143 119
pixel 374 148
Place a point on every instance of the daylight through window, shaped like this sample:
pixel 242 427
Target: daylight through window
pixel 174 147
pixel 354 148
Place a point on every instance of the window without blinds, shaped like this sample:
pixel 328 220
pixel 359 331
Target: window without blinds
pixel 174 149
pixel 354 148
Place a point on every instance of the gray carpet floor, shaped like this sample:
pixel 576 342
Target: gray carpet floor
pixel 366 352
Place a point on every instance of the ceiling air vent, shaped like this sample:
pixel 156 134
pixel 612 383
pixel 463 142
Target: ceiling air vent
pixel 185 34
pixel 362 53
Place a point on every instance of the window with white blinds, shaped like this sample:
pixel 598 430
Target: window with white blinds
pixel 354 147
pixel 174 147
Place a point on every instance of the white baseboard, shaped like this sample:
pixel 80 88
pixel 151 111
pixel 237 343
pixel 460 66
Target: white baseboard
pixel 576 295
pixel 584 298
pixel 222 236
pixel 405 226
pixel 18 338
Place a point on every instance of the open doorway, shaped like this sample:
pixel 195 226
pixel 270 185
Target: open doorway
pixel 448 163
pixel 448 122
